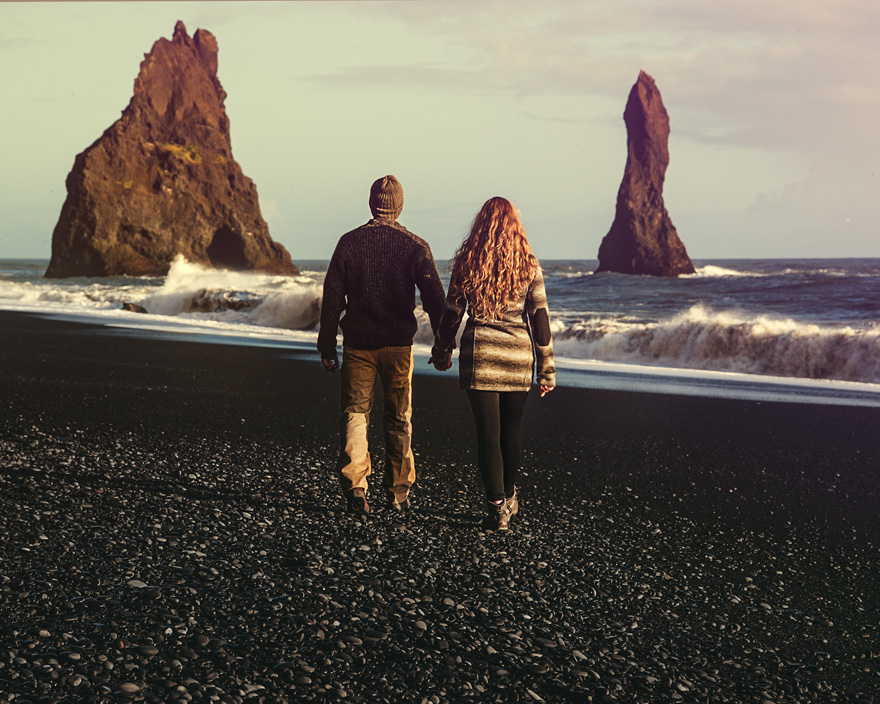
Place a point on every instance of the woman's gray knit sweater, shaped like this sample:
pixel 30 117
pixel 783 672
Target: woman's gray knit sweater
pixel 501 355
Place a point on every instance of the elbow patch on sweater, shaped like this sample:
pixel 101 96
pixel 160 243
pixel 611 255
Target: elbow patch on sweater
pixel 541 327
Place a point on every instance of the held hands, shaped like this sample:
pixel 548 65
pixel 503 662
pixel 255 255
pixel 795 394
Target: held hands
pixel 442 362
pixel 545 390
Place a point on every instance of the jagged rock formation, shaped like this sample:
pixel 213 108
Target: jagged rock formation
pixel 642 238
pixel 161 181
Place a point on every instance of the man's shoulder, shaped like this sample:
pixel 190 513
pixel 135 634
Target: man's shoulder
pixel 387 227
pixel 352 234
pixel 350 241
pixel 412 237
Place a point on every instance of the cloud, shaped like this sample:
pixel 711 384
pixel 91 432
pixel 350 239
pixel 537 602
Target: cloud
pixel 791 74
pixel 553 118
pixel 14 42
pixel 417 76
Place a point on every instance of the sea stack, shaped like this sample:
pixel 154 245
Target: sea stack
pixel 642 238
pixel 161 180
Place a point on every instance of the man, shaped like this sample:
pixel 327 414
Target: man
pixel 373 276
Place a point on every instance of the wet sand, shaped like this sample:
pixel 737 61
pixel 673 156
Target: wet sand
pixel 174 533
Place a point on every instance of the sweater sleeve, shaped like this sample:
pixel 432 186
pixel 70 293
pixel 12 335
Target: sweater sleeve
pixel 332 305
pixel 539 321
pixel 430 288
pixel 450 320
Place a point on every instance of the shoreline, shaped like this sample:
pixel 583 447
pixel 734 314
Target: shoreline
pixel 573 372
pixel 176 503
pixel 781 329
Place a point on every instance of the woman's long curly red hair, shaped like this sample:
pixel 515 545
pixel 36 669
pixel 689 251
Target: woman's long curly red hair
pixel 495 262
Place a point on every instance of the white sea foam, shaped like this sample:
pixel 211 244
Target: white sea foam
pixel 570 274
pixel 819 272
pixel 70 296
pixel 701 338
pixel 260 299
pixel 712 271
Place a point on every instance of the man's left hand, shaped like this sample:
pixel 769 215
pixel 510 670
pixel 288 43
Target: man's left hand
pixel 441 364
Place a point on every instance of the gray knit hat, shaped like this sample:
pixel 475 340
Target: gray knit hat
pixel 386 198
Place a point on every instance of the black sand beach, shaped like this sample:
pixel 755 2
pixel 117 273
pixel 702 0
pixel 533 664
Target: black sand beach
pixel 173 533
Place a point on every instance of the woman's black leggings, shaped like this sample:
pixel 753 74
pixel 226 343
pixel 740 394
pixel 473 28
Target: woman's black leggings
pixel 499 418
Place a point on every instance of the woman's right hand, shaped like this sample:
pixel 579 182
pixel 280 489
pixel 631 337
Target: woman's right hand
pixel 441 363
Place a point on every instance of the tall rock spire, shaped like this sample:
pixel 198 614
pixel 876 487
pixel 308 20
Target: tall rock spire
pixel 642 238
pixel 161 180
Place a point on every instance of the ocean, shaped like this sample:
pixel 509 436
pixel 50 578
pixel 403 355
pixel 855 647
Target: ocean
pixel 792 330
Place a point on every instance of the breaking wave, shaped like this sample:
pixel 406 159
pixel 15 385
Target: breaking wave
pixel 712 271
pixel 190 290
pixel 701 338
pixel 72 294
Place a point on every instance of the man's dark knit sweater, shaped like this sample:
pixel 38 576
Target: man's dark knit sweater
pixel 372 277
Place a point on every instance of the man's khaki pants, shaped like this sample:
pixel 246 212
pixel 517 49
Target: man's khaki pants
pixel 394 366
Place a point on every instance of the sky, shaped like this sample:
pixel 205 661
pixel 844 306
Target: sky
pixel 773 107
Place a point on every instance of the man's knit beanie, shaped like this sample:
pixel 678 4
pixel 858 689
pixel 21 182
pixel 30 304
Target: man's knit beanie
pixel 386 198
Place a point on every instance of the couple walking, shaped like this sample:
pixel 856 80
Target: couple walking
pixel 496 280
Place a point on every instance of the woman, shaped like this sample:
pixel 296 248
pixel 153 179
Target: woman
pixel 498 281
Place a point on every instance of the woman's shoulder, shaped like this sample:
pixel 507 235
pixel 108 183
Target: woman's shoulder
pixel 537 276
pixel 534 279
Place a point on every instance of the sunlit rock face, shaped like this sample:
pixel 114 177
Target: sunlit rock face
pixel 642 238
pixel 161 180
